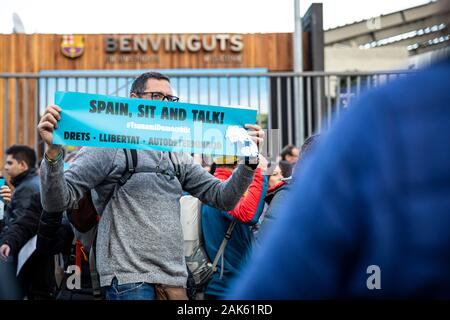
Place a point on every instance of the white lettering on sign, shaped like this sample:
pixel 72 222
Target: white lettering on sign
pixel 174 43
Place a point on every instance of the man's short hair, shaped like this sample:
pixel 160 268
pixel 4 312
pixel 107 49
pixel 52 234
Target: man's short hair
pixel 308 145
pixel 286 168
pixel 287 150
pixel 23 153
pixel 139 84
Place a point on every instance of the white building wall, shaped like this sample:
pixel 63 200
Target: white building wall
pixel 341 59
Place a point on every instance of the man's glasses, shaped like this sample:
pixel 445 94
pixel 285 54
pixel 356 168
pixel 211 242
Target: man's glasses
pixel 159 96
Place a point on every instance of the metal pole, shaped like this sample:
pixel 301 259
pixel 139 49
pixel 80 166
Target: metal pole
pixel 5 113
pixel 298 57
pixel 16 110
pixel 37 107
pixel 298 67
pixel 26 112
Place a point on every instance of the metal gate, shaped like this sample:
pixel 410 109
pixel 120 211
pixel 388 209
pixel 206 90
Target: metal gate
pixel 291 106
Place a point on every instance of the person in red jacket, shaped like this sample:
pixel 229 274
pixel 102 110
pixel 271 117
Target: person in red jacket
pixel 215 224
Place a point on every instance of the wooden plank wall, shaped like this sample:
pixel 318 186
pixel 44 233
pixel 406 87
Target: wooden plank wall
pixel 31 53
pixel 19 126
pixel 35 52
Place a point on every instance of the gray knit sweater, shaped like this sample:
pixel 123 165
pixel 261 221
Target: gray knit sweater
pixel 139 236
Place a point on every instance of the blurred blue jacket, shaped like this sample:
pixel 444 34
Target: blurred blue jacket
pixel 376 191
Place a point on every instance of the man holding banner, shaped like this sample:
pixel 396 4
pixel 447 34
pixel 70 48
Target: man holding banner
pixel 140 240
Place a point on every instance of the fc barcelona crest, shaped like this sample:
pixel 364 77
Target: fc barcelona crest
pixel 72 46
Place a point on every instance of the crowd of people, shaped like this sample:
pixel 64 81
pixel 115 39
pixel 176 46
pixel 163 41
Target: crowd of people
pixel 372 191
pixel 137 236
pixel 57 232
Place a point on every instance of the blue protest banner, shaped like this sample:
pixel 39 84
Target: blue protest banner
pixel 115 122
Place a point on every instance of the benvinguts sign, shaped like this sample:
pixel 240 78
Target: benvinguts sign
pixel 174 43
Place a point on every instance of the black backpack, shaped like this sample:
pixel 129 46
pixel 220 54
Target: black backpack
pixel 84 216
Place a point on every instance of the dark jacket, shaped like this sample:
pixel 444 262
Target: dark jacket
pixel 21 224
pixel 55 234
pixel 275 197
pixel 23 212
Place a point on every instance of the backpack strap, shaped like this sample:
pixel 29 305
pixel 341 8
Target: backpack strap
pixel 176 165
pixel 95 281
pixel 131 164
pixel 222 247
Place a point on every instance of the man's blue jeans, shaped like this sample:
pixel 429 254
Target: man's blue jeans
pixel 130 291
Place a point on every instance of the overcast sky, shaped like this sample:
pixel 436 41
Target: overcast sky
pixel 182 16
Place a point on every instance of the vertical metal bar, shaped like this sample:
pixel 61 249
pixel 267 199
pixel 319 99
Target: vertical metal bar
pixel 209 90
pixel 5 112
pixel 16 110
pixel 309 105
pixel 279 109
pixel 329 115
pixel 271 132
pixel 198 90
pixel 189 89
pixel 46 92
pixel 269 105
pixel 36 114
pixel 369 82
pixel 319 103
pixel 358 85
pixel 218 92
pixel 279 123
pixel 300 132
pixel 66 80
pixel 348 91
pixel 338 95
pixel 117 86
pixel 249 103
pixel 259 100
pixel 26 111
pixel 86 85
pixel 289 115
pixel 296 108
pixel 229 90
pixel 178 87
pixel 96 85
pixel 76 84
pixel 239 89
